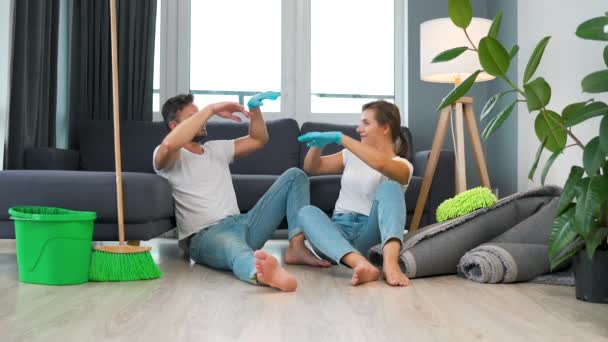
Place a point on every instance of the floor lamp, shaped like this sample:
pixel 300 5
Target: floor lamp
pixel 437 36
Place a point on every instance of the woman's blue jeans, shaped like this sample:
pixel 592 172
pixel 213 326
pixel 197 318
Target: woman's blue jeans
pixel 345 233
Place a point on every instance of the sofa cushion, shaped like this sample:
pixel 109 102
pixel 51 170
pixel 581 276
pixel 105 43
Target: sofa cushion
pixel 138 139
pixel 146 197
pixel 250 188
pixel 350 130
pixel 324 191
pixel 109 231
pixel 411 195
pixel 281 152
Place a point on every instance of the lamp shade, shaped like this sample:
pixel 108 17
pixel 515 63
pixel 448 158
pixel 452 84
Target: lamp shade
pixel 441 34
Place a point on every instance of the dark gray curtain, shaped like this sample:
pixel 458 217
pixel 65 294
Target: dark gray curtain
pixel 34 78
pixel 91 65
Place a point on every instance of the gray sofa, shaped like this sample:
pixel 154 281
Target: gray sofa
pixel 85 180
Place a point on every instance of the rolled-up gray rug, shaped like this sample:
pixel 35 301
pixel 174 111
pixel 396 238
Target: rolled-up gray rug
pixel 438 248
pixel 504 262
pixel 520 254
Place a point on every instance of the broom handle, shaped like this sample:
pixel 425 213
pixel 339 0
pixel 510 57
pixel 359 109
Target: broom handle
pixel 119 204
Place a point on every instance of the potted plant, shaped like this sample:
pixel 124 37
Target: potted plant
pixel 580 228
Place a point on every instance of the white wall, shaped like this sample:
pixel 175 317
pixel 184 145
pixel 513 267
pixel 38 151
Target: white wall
pixel 5 48
pixel 566 61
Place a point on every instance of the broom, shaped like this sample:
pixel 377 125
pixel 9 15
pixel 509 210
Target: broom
pixel 122 262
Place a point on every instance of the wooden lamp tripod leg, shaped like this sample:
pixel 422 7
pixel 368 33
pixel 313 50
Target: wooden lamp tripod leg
pixel 482 169
pixel 458 131
pixel 442 127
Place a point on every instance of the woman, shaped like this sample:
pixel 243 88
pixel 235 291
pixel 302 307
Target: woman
pixel 371 205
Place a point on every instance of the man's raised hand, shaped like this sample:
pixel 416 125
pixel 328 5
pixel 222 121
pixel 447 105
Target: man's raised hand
pixel 256 100
pixel 226 110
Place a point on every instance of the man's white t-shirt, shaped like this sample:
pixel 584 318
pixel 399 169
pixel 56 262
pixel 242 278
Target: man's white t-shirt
pixel 359 184
pixel 201 186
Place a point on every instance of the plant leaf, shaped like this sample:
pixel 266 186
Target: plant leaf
pixel 493 32
pixel 487 108
pixel 588 111
pixel 606 55
pixel 498 120
pixel 604 134
pixel 538 94
pixel 590 193
pixel 461 12
pixel 548 164
pixel 514 50
pixel 568 252
pixel 593 29
pixel 493 57
pixel 536 159
pixel 572 108
pixel 593 156
pixel 596 82
pixel 595 239
pixel 459 91
pixel 562 232
pixel 450 54
pixel 537 54
pixel 548 125
pixel 568 193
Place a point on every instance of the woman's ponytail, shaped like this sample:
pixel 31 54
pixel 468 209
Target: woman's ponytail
pixel 402 146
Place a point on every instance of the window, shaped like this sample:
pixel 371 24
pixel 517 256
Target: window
pixel 327 58
pixel 352 61
pixel 234 57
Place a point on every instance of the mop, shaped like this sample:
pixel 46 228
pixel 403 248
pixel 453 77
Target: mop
pixel 122 262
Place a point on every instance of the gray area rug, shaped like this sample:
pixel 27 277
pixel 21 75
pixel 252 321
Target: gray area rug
pixel 504 243
pixel 565 278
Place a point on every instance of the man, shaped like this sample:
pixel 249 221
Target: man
pixel 208 218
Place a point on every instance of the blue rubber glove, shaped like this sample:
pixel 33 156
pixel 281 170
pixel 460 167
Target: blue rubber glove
pixel 320 139
pixel 256 100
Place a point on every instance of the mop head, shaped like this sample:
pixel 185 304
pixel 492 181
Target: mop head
pixel 122 263
pixel 464 203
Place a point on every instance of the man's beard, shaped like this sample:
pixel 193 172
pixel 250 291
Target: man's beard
pixel 198 138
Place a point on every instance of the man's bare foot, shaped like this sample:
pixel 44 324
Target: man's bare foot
pixel 364 272
pixel 270 273
pixel 393 275
pixel 300 255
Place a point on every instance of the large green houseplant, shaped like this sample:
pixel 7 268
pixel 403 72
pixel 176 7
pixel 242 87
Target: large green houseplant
pixel 581 223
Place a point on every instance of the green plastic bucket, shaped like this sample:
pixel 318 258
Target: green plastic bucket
pixel 53 244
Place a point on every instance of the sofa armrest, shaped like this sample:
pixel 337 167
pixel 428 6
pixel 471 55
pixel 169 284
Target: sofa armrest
pixel 47 158
pixel 444 180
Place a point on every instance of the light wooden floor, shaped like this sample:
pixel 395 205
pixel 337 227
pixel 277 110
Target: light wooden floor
pixel 194 303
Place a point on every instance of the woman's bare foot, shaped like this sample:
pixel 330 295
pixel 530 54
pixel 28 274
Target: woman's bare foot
pixel 393 275
pixel 270 273
pixel 364 272
pixel 298 254
pixel 392 272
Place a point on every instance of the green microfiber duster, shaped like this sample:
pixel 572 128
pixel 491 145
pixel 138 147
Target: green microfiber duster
pixel 464 203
